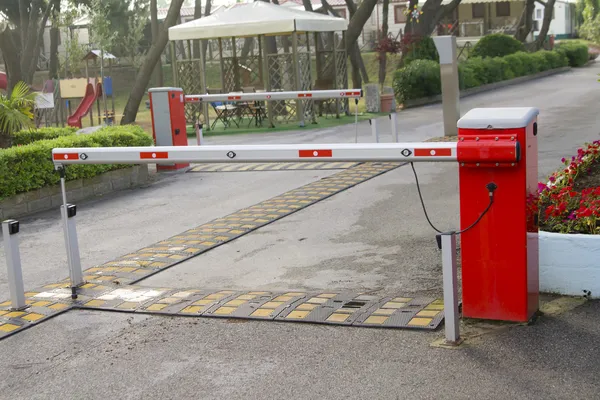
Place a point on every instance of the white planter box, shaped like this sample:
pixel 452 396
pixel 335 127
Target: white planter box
pixel 569 263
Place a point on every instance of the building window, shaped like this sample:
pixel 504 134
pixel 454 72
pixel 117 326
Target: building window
pixel 478 10
pixel 399 17
pixel 503 9
pixel 341 12
pixel 538 13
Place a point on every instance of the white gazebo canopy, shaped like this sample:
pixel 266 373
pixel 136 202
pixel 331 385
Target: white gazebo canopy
pixel 258 18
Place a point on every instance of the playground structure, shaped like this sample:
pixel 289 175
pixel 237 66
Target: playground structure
pixel 54 105
pixel 280 45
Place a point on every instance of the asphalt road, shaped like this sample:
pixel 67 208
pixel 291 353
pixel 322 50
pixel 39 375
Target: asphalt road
pixel 371 237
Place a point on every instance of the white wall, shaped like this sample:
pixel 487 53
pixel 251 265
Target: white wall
pixel 564 18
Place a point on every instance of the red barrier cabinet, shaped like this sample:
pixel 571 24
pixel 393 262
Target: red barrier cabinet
pixel 167 107
pixel 500 254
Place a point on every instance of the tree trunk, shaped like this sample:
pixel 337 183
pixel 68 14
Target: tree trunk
pixel 548 10
pixel 197 15
pixel 384 34
pixel 54 39
pixel 158 72
pixel 11 57
pixel 358 18
pixel 35 56
pixel 29 48
pixel 206 14
pixel 433 12
pixel 145 73
pixel 526 22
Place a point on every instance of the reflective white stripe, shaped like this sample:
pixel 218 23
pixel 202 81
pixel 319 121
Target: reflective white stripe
pixel 311 94
pixel 259 153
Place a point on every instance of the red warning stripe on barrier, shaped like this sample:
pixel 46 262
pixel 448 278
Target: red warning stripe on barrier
pixel 352 93
pixel 154 155
pixel 314 153
pixel 305 95
pixel 234 97
pixel 433 152
pixel 66 156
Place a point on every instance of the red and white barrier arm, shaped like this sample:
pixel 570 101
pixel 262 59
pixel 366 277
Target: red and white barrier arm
pixel 304 95
pixel 464 152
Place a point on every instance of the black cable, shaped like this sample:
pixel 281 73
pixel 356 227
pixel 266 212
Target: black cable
pixel 490 186
pixel 412 165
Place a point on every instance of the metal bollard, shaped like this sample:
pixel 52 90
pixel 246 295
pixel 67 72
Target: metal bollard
pixel 451 324
pixel 374 132
pixel 10 229
pixel 393 118
pixel 72 244
pixel 199 134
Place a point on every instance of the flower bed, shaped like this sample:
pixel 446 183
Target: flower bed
pixel 569 217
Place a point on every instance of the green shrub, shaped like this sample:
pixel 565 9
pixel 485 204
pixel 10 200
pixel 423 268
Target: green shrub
pixel 466 77
pixel 420 78
pixel 33 135
pixel 421 49
pixel 478 67
pixel 541 63
pixel 555 59
pixel 576 53
pixel 30 167
pixel 496 45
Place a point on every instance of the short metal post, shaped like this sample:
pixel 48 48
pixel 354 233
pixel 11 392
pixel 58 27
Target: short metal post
pixel 356 120
pixel 393 119
pixel 450 288
pixel 68 212
pixel 10 228
pixel 199 134
pixel 374 132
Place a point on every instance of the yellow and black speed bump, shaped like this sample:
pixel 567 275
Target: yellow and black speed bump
pixel 346 308
pixel 285 166
pixel 134 267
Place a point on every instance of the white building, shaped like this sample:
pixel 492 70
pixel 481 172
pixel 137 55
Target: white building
pixel 564 19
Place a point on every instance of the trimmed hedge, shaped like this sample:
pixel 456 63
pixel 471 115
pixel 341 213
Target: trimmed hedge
pixel 33 135
pixel 30 167
pixel 496 45
pixel 577 53
pixel 421 78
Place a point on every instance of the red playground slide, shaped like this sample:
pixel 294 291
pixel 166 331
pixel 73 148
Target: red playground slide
pixel 84 107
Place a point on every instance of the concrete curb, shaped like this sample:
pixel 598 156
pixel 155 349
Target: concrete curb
pixel 49 197
pixel 485 88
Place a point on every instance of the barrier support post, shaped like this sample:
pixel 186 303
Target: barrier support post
pixel 451 320
pixel 68 212
pixel 446 47
pixel 374 132
pixel 393 119
pixel 199 134
pixel 10 229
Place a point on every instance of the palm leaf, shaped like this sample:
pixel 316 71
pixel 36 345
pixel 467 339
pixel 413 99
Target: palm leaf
pixel 16 110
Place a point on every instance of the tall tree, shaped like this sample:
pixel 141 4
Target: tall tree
pixel 433 11
pixel 525 23
pixel 145 72
pixel 154 24
pixel 54 41
pixel 384 34
pixel 358 18
pixel 548 12
pixel 21 36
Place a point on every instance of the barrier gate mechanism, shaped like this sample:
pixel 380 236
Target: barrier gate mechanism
pixel 497 156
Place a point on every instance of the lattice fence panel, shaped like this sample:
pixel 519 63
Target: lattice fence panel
pixel 189 78
pixel 228 74
pixel 250 71
pixel 306 83
pixel 281 75
pixel 342 77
